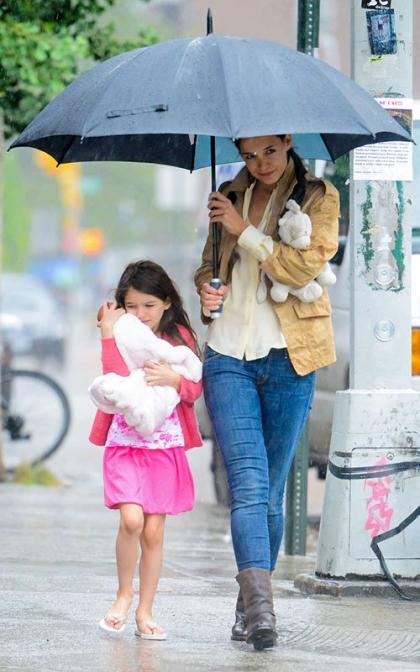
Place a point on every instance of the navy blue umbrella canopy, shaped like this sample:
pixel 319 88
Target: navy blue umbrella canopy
pixel 161 104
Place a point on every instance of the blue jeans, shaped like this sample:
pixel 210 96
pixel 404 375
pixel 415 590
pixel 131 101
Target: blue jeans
pixel 258 409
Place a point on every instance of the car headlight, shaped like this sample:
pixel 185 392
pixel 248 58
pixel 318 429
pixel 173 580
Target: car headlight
pixel 415 351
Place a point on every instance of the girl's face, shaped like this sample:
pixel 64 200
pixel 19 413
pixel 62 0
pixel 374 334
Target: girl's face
pixel 266 157
pixel 146 307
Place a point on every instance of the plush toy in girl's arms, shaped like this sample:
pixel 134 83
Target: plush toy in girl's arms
pixel 144 407
pixel 295 229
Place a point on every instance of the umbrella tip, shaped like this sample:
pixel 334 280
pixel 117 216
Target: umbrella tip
pixel 209 21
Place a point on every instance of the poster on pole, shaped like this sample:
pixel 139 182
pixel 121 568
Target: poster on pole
pixel 388 160
pixel 381 31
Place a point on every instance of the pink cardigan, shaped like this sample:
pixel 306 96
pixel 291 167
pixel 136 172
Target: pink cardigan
pixel 189 392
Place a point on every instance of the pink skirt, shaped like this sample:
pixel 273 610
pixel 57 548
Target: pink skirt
pixel 160 481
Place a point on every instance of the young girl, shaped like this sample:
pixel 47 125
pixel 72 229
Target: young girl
pixel 144 482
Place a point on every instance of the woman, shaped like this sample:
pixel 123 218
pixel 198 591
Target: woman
pixel 261 356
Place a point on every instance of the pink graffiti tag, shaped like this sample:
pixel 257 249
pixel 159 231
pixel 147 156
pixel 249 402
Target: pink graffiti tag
pixel 379 512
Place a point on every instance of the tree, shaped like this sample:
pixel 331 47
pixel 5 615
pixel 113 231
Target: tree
pixel 44 46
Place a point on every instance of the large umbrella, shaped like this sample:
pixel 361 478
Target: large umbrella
pixel 164 104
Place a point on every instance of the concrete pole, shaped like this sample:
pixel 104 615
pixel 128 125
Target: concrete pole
pixel 373 481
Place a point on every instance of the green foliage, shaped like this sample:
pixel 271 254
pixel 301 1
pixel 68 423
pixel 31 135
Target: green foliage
pixel 44 46
pixel 16 217
pixel 27 475
pixel 35 65
pixel 53 11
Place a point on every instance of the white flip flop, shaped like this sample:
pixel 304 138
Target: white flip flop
pixel 158 636
pixel 118 618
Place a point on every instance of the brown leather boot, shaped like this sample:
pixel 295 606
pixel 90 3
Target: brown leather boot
pixel 239 628
pixel 255 584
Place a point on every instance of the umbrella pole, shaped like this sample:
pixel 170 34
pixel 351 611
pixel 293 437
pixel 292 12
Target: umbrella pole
pixel 215 281
pixel 215 228
pixel 215 225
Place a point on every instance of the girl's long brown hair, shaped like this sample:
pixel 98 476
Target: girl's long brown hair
pixel 150 278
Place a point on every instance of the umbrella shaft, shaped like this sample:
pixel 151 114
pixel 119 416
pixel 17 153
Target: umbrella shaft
pixel 216 225
pixel 216 242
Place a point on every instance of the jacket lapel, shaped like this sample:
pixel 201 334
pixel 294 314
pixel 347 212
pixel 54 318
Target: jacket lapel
pixel 283 194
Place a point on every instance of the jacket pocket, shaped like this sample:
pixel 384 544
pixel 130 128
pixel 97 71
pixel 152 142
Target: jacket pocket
pixel 320 308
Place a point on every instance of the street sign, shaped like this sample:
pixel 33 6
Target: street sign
pixel 308 26
pixel 376 4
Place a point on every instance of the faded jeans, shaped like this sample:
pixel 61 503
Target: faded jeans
pixel 258 409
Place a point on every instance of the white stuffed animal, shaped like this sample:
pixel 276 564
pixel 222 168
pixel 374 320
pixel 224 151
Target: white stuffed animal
pixel 144 407
pixel 295 229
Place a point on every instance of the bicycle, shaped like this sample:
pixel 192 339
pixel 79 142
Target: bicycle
pixel 35 417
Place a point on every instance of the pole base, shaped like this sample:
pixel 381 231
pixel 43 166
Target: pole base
pixel 311 584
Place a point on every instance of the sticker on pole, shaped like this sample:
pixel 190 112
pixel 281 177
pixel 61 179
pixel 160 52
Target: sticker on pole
pixel 375 4
pixel 381 32
pixel 388 160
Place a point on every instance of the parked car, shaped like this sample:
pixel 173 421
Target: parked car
pixel 30 320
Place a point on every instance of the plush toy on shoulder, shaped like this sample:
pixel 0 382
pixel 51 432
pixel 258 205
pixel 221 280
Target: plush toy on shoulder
pixel 295 229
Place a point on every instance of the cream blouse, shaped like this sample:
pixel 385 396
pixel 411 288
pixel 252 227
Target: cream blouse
pixel 247 329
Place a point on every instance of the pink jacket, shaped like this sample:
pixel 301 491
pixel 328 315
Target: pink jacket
pixel 189 392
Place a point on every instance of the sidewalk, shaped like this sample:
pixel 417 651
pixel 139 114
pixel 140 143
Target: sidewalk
pixel 58 579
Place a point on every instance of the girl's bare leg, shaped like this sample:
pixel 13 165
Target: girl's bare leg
pixel 151 542
pixel 127 549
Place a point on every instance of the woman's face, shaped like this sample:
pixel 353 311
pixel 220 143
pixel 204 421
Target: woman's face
pixel 266 157
pixel 147 308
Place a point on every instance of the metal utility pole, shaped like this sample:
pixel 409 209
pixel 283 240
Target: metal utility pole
pixel 308 26
pixel 297 483
pixel 373 480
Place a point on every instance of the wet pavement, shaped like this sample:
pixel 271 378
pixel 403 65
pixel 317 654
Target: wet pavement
pixel 58 579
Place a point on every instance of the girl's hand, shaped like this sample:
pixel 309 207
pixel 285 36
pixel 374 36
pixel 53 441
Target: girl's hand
pixel 222 210
pixel 211 297
pixel 108 314
pixel 160 373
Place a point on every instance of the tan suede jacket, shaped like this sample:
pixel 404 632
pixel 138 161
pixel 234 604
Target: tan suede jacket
pixel 307 327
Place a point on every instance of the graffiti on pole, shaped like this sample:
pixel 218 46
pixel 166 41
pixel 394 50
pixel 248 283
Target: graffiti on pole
pixel 379 513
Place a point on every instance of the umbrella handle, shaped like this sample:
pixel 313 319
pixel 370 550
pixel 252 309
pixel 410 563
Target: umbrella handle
pixel 216 283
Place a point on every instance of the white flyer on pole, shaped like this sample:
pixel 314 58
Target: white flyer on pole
pixel 388 160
